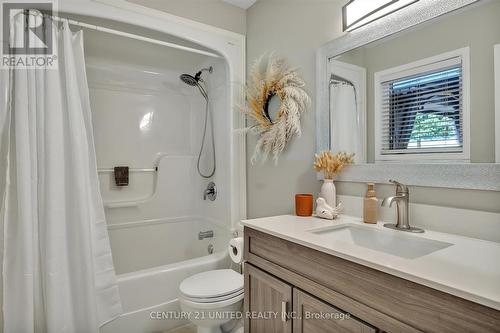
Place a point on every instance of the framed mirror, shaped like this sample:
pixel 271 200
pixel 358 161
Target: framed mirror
pixel 416 96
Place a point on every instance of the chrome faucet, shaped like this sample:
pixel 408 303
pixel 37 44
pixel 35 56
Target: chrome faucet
pixel 205 234
pixel 402 199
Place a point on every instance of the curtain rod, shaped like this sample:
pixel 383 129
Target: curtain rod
pixel 134 36
pixel 129 35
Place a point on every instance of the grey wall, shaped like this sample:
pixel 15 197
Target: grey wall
pixel 212 12
pixel 296 29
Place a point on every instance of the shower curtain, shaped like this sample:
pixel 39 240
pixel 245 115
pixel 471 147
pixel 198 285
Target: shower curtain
pixel 346 134
pixel 58 273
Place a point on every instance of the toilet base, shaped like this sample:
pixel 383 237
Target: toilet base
pixel 219 314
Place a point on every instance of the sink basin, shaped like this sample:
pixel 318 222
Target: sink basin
pixel 395 243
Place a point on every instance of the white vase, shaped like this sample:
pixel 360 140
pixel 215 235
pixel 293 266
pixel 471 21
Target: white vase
pixel 328 192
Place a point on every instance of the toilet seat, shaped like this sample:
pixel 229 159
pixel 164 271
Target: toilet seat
pixel 212 286
pixel 211 305
pixel 212 299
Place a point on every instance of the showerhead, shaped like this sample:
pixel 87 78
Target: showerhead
pixel 189 80
pixel 193 80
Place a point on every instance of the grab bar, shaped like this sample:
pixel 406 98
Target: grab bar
pixel 135 203
pixel 111 170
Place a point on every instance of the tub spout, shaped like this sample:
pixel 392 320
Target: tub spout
pixel 205 234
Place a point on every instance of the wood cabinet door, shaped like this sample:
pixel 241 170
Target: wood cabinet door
pixel 267 302
pixel 312 315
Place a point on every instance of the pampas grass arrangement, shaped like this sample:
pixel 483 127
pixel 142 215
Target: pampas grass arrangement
pixel 271 76
pixel 332 164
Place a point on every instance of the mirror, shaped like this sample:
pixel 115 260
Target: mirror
pixel 425 94
pixel 272 107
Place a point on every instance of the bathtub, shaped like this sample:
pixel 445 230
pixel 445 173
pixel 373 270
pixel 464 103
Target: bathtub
pixel 149 291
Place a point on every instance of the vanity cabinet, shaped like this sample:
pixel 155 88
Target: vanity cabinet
pixel 267 298
pixel 269 304
pixel 283 276
pixel 314 316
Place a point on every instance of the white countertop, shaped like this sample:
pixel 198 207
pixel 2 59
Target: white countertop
pixel 470 268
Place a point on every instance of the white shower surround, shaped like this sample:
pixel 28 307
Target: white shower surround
pixel 231 46
pixel 156 219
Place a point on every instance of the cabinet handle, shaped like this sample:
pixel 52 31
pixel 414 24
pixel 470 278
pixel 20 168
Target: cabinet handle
pixel 284 311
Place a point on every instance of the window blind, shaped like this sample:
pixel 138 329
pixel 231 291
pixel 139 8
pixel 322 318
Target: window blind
pixel 422 110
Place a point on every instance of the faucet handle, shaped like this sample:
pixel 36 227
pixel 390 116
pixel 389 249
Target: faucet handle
pixel 400 188
pixel 210 192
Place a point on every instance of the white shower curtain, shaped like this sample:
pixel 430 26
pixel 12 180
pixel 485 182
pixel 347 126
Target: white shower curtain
pixel 58 273
pixel 346 134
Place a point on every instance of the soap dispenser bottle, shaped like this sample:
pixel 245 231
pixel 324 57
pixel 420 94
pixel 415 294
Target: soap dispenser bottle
pixel 370 205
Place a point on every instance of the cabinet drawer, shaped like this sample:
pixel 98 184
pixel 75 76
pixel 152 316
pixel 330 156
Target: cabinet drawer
pixel 315 316
pixel 415 305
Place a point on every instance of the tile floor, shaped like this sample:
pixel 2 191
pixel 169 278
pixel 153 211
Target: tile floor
pixel 190 328
pixel 184 329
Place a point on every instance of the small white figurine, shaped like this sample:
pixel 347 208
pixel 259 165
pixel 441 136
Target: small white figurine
pixel 326 211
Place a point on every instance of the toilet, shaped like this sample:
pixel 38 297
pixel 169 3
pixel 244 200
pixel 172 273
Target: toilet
pixel 213 299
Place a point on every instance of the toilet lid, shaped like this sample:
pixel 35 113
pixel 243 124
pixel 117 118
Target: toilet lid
pixel 210 284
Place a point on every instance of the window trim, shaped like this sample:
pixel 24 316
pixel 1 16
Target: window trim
pixel 409 69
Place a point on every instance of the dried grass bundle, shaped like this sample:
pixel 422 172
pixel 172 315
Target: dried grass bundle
pixel 271 76
pixel 332 164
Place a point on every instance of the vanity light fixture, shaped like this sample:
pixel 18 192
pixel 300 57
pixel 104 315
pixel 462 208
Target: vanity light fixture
pixel 357 13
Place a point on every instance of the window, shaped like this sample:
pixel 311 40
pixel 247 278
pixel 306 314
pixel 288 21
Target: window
pixel 421 109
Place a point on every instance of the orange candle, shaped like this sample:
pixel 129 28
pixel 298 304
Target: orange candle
pixel 303 204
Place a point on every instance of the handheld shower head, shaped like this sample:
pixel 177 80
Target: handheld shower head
pixel 189 80
pixel 193 80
